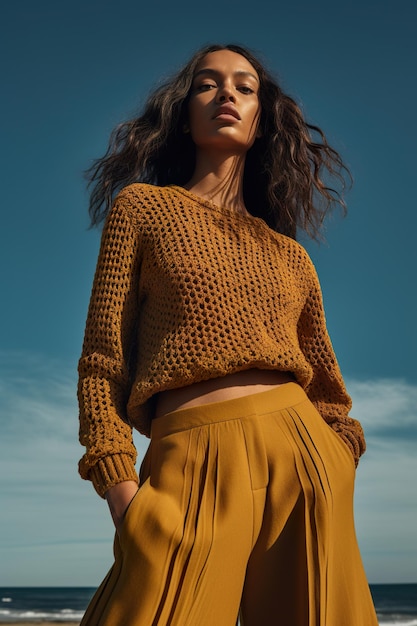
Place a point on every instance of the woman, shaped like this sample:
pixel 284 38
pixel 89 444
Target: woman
pixel 206 332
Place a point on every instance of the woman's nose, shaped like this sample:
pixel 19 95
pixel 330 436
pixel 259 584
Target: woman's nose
pixel 225 94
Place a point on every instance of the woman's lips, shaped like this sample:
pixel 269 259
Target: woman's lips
pixel 227 117
pixel 226 112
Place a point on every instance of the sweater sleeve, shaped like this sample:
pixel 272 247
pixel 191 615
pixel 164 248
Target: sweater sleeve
pixel 104 376
pixel 327 390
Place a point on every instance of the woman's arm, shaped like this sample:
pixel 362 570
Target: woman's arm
pixel 104 374
pixel 327 389
pixel 118 498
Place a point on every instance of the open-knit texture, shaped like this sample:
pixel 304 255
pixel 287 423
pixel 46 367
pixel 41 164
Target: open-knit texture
pixel 185 291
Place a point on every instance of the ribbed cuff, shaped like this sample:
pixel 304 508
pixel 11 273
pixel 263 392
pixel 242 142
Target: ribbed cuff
pixel 111 470
pixel 352 434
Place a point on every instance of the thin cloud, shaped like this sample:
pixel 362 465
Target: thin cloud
pixel 46 504
pixel 40 423
pixel 386 498
pixel 37 397
pixel 387 408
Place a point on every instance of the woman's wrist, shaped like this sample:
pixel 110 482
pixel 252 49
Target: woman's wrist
pixel 118 498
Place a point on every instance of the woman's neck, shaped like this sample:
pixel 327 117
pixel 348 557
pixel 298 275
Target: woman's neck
pixel 220 181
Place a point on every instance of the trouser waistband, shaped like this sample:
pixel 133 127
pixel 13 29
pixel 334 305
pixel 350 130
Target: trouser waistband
pixel 276 399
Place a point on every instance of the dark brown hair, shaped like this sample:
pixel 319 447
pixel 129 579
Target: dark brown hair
pixel 287 171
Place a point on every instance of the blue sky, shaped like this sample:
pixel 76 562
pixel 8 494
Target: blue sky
pixel 70 71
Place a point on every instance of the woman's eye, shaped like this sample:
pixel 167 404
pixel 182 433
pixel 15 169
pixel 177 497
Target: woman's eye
pixel 245 89
pixel 205 87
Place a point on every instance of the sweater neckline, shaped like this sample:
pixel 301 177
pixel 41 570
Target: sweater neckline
pixel 216 207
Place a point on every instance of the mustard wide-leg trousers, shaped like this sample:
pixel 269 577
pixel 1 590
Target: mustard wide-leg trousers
pixel 245 507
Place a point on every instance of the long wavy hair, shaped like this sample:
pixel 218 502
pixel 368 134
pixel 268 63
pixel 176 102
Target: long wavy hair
pixel 292 176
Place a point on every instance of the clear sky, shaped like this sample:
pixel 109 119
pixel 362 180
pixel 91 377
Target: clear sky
pixel 69 72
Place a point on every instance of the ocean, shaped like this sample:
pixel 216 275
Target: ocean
pixel 395 604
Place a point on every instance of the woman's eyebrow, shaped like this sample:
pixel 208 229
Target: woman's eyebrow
pixel 212 72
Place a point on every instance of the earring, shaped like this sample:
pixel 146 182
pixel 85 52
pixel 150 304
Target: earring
pixel 185 129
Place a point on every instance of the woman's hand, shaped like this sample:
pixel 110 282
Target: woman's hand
pixel 118 498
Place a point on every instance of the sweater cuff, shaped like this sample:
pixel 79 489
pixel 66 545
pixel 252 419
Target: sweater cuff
pixel 111 470
pixel 351 432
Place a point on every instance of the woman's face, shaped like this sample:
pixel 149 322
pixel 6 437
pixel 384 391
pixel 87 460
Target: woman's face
pixel 224 107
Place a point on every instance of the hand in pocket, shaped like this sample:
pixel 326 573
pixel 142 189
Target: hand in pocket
pixel 119 498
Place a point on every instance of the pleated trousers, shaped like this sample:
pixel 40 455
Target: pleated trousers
pixel 245 509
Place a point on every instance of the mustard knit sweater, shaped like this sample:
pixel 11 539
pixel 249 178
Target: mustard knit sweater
pixel 186 291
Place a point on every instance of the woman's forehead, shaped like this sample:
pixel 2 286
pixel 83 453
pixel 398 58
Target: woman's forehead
pixel 226 60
